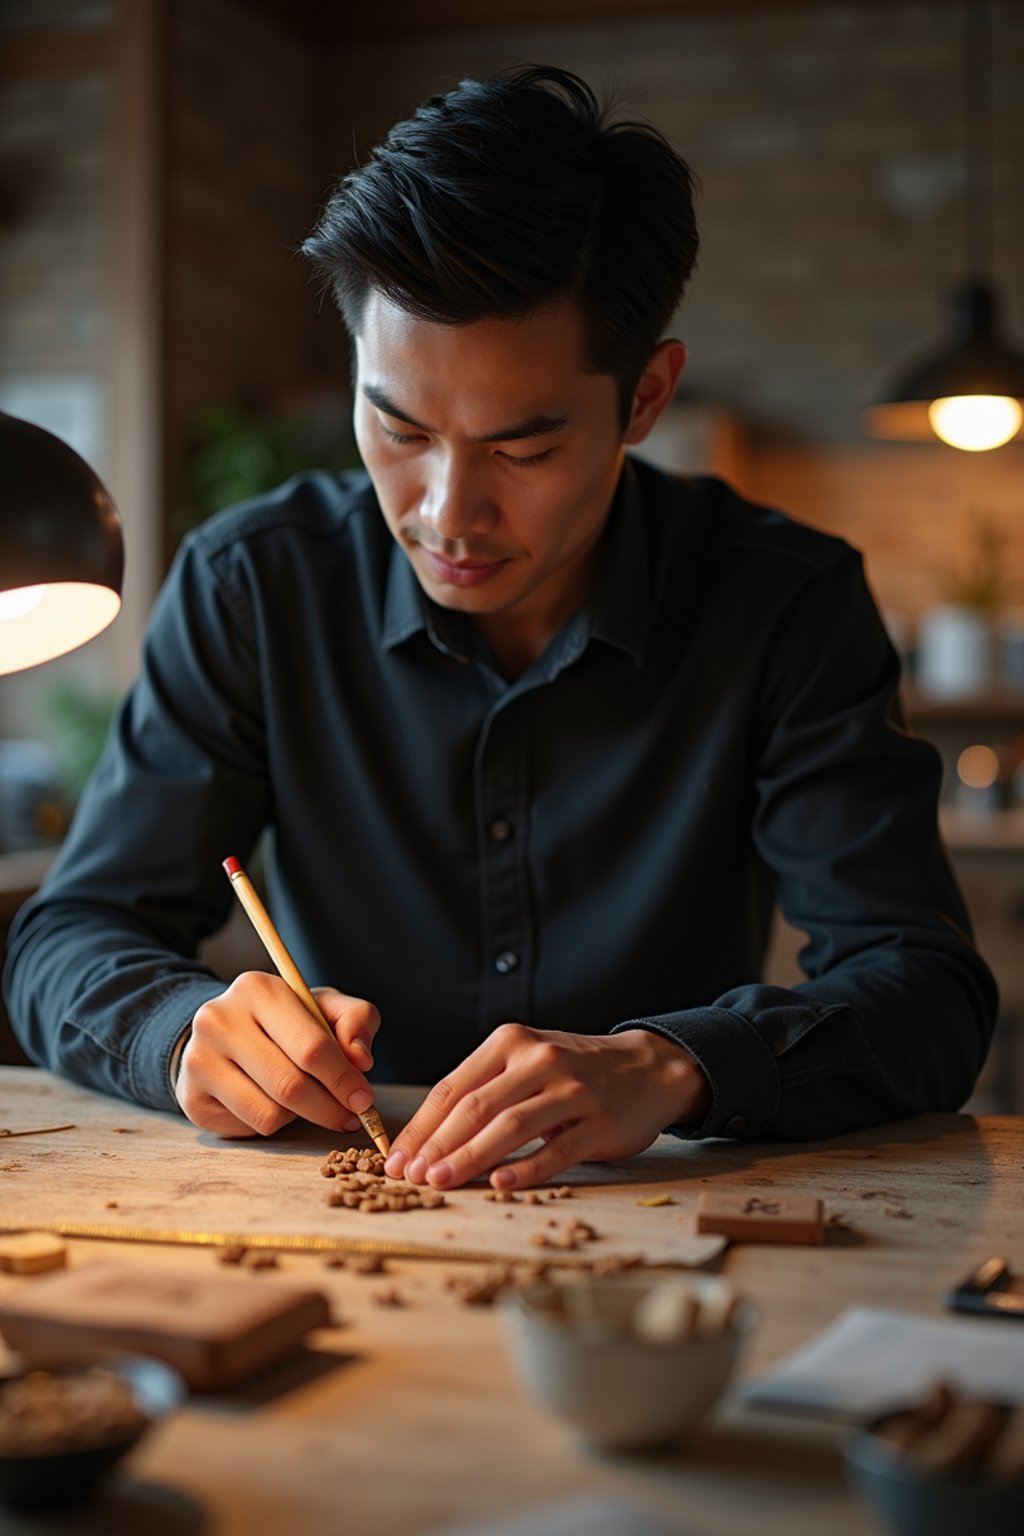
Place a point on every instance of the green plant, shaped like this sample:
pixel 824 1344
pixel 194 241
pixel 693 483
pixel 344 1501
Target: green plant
pixel 238 453
pixel 980 581
pixel 78 721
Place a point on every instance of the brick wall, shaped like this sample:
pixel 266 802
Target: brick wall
pixel 54 299
pixel 828 139
pixel 242 189
pixel 828 142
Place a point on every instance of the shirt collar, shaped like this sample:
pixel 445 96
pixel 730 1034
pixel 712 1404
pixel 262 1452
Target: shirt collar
pixel 618 607
pixel 617 610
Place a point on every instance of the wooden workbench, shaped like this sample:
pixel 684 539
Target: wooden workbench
pixel 407 1420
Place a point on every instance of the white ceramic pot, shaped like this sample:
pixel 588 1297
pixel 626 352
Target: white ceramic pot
pixel 620 1391
pixel 957 651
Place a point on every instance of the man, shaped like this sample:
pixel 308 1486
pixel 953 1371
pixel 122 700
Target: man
pixel 536 732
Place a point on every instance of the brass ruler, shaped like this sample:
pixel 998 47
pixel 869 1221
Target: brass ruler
pixel 290 1242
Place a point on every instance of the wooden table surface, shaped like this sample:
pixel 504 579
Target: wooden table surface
pixel 409 1420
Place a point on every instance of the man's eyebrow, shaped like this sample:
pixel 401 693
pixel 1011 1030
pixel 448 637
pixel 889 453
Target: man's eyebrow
pixel 538 425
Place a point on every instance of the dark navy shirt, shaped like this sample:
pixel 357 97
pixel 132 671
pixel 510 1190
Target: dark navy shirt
pixel 595 844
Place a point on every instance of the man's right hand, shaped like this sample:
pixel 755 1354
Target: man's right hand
pixel 256 1059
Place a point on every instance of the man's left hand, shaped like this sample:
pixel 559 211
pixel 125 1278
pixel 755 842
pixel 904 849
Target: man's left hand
pixel 587 1097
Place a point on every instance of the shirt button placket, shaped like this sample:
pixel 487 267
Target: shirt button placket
pixel 501 788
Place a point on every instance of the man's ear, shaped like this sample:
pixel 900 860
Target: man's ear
pixel 656 388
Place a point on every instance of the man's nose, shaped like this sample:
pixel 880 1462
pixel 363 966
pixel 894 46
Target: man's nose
pixel 457 500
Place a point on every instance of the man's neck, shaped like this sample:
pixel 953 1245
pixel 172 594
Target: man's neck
pixel 516 644
pixel 519 638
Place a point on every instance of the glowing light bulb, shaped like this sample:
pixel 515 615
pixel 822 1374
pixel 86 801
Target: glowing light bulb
pixel 20 601
pixel 977 767
pixel 975 422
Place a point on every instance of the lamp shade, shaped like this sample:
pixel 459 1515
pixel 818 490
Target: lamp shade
pixel 976 365
pixel 61 551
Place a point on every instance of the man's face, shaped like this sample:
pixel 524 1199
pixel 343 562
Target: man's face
pixel 494 455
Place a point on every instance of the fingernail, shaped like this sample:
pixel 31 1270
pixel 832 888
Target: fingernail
pixel 416 1169
pixel 362 1045
pixel 395 1163
pixel 504 1178
pixel 440 1175
pixel 361 1099
pixel 352 1123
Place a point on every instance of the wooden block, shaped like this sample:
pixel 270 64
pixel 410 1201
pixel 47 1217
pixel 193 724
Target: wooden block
pixel 760 1217
pixel 27 1253
pixel 214 1329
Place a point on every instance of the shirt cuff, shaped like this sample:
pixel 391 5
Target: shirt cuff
pixel 739 1066
pixel 174 1065
pixel 163 1034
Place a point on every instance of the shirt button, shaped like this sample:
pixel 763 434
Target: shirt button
pixel 500 829
pixel 735 1125
pixel 506 961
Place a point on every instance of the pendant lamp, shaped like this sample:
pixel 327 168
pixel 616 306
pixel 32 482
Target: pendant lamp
pixel 971 393
pixel 61 552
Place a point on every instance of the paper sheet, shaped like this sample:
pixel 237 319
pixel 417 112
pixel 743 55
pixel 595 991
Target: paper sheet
pixel 872 1359
pixel 578 1517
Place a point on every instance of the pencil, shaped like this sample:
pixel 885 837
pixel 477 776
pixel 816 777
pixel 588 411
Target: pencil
pixel 289 972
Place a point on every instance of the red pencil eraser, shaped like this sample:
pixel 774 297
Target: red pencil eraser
pixel 232 866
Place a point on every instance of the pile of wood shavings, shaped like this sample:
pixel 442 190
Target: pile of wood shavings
pixel 359 1184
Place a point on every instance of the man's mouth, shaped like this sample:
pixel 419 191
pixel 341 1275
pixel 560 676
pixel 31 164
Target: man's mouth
pixel 461 573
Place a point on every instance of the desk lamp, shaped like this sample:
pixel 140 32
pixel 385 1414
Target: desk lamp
pixel 61 553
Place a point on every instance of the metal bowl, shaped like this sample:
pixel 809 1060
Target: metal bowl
pixel 48 1479
pixel 915 1502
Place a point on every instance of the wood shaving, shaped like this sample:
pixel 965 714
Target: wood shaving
pixel 361 1189
pixel 260 1260
pixel 572 1235
pixel 367 1264
pixel 952 1434
pixel 232 1253
pixel 656 1200
pixel 353 1160
pixel 616 1263
pixel 483 1290
pixel 48 1412
pixel 839 1221
pixel 37 1130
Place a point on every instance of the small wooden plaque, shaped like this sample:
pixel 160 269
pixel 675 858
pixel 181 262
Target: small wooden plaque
pixel 28 1253
pixel 214 1329
pixel 761 1217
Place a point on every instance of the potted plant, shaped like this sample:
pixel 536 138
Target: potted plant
pixel 959 641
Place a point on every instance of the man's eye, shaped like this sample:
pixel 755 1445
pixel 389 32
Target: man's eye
pixel 399 437
pixel 533 458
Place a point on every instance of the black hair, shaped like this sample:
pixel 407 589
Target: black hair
pixel 509 194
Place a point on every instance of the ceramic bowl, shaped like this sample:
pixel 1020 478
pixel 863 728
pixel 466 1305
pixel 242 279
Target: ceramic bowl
pixel 578 1352
pixel 913 1502
pixel 52 1478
